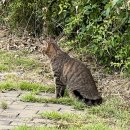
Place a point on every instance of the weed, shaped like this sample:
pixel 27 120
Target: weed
pixel 35 86
pixel 7 86
pixel 4 105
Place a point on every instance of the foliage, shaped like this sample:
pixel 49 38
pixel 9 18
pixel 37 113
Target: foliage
pixel 36 16
pixel 26 15
pixel 100 28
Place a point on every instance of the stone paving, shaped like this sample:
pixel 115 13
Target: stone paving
pixel 25 113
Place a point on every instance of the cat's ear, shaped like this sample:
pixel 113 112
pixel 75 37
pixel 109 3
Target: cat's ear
pixel 51 39
pixel 44 46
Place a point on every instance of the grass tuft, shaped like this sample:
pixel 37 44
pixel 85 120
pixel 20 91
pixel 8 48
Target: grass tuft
pixel 61 116
pixel 4 105
pixel 35 86
pixel 7 86
pixel 65 101
pixel 26 86
pixel 3 67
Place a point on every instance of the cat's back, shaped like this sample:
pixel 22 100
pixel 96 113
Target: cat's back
pixel 73 69
pixel 79 77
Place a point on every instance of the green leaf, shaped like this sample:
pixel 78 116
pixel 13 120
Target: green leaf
pixel 108 11
pixel 114 2
pixel 108 8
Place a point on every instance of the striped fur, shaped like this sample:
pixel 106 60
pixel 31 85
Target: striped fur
pixel 71 73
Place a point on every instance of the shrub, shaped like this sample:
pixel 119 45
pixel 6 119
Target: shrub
pixel 100 28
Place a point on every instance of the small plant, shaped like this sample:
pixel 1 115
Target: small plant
pixel 65 100
pixel 3 67
pixel 61 116
pixel 4 105
pixel 7 86
pixel 65 120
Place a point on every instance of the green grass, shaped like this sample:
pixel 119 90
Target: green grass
pixel 65 100
pixel 110 111
pixel 3 67
pixel 65 120
pixel 81 121
pixel 15 60
pixel 8 86
pixel 36 86
pixel 23 85
pixel 61 116
pixel 44 128
pixel 98 126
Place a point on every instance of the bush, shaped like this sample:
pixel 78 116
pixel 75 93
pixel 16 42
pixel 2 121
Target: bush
pixel 38 16
pixel 100 28
pixel 25 15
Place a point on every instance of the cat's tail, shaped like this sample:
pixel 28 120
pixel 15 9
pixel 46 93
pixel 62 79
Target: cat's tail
pixel 87 101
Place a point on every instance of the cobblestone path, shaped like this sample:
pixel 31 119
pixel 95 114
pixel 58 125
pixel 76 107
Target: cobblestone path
pixel 25 113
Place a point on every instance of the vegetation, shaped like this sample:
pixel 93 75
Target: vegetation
pixel 100 28
pixel 61 116
pixel 89 119
pixel 112 114
pixel 82 121
pixel 110 110
pixel 4 105
pixel 16 60
pixel 24 85
pixel 99 126
pixel 65 100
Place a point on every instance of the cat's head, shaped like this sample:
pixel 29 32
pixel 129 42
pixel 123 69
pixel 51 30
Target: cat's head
pixel 49 47
pixel 46 44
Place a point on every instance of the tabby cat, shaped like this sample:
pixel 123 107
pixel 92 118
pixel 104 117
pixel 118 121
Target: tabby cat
pixel 71 73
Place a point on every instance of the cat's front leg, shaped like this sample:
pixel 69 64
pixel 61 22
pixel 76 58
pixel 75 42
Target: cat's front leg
pixel 60 88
